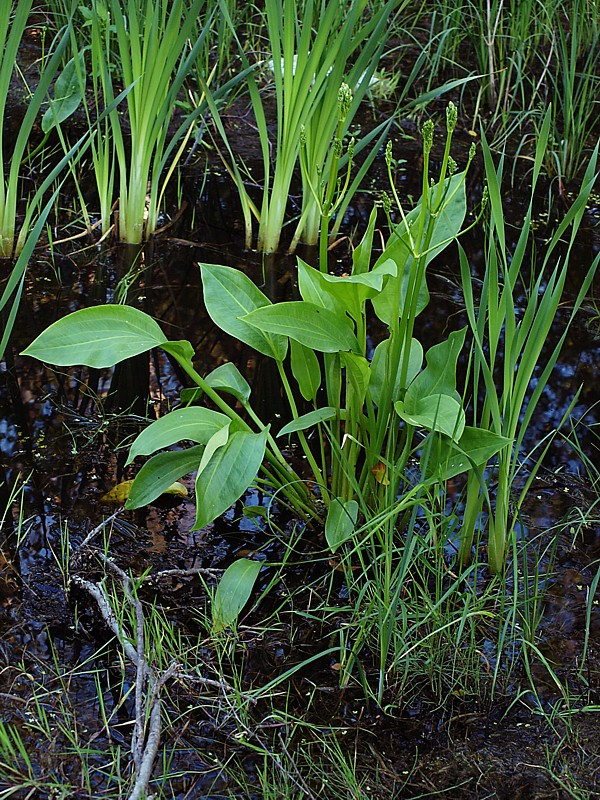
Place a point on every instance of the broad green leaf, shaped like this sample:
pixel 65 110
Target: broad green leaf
pixel 436 412
pixel 101 336
pixel 382 373
pixel 306 369
pixel 341 294
pixel 340 522
pixel 193 424
pixel 229 296
pixel 312 326
pixel 228 474
pixel 308 420
pixel 233 592
pixel 67 93
pixel 439 376
pixel 443 458
pixel 160 472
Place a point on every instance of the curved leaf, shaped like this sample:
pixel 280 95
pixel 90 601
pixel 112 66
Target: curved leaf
pixel 230 295
pixel 192 424
pixel 313 326
pixel 160 472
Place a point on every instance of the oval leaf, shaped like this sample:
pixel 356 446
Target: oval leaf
pixel 228 474
pixel 193 424
pixel 314 327
pixel 230 295
pixel 99 337
pixel 160 472
pixel 233 592
pixel 437 412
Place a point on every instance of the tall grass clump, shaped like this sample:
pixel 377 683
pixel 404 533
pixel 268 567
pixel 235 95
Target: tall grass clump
pixel 143 44
pixel 311 51
pixel 14 18
pixel 511 322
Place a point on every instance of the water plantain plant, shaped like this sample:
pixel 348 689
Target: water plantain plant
pixel 381 408
pixel 387 427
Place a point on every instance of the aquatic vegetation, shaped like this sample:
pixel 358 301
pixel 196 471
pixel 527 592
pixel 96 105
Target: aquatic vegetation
pixel 499 328
pixel 368 551
pixel 14 18
pixel 151 47
pixel 309 66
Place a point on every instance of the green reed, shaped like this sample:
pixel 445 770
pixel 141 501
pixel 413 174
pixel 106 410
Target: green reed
pixel 14 17
pixel 308 64
pixel 508 342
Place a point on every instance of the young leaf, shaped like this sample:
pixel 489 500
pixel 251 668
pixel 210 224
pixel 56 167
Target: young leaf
pixel 194 424
pixel 101 336
pixel 233 592
pixel 229 295
pixel 308 420
pixel 306 369
pixel 227 378
pixel 67 93
pixel 436 412
pixel 340 522
pixel 160 472
pixel 228 474
pixel 312 326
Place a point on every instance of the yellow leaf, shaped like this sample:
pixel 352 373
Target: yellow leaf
pixel 380 473
pixel 120 492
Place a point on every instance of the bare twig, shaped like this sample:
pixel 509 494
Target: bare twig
pixel 145 739
pixel 99 528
